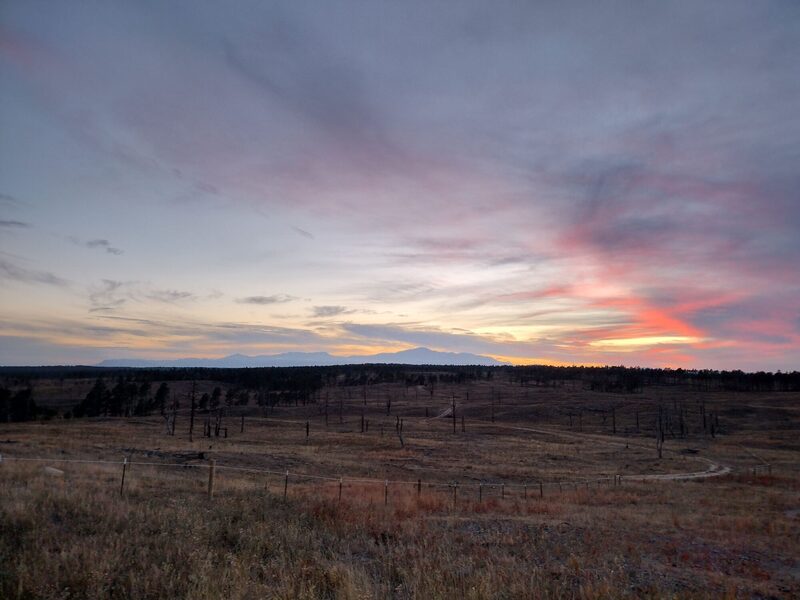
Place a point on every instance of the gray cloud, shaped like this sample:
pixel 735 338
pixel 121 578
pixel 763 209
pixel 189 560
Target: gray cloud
pixel 170 296
pixel 14 272
pixel 303 232
pixel 11 201
pixel 107 296
pixel 14 224
pixel 331 311
pixel 104 244
pixel 266 300
pixel 98 243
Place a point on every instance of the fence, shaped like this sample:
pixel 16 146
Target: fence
pixel 476 490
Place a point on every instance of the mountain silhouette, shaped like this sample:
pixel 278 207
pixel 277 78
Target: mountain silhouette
pixel 414 356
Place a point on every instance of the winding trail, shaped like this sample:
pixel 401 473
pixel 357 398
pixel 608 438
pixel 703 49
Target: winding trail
pixel 714 469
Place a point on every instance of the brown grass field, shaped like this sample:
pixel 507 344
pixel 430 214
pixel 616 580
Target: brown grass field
pixel 525 506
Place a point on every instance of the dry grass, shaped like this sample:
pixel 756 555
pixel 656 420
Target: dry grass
pixel 732 536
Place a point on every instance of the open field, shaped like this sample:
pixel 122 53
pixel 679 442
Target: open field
pixel 521 498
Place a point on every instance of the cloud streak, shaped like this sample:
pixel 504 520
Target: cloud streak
pixel 587 184
pixel 267 300
pixel 12 272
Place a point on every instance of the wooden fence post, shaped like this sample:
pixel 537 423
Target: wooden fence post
pixel 124 468
pixel 307 426
pixel 480 491
pixel 455 491
pixel 385 492
pixel 502 490
pixel 419 488
pixel 541 490
pixel 211 478
pixel 525 491
pixel 340 489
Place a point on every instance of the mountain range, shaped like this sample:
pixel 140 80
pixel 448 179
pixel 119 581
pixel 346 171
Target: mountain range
pixel 415 356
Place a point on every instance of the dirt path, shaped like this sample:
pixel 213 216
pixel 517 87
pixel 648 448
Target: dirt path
pixel 713 470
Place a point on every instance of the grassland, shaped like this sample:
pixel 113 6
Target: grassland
pixel 497 535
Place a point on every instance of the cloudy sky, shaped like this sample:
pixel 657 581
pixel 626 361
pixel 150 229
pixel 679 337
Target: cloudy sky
pixel 557 182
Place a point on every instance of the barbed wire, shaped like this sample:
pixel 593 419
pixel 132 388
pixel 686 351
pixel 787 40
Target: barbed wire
pixel 714 470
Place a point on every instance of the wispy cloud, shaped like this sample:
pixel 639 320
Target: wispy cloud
pixel 526 180
pixel 104 244
pixel 303 232
pixel 112 295
pixel 100 244
pixel 14 272
pixel 11 201
pixel 266 300
pixel 14 224
pixel 170 296
pixel 331 311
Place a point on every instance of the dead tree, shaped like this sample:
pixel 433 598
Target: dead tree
pixel 191 412
pixel 660 432
pixel 174 417
pixel 218 422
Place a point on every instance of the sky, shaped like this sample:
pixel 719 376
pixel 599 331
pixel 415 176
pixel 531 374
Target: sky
pixel 541 182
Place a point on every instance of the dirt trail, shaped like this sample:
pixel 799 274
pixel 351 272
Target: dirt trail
pixel 714 469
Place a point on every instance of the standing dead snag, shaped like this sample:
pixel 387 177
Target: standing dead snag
pixel 191 413
pixel 217 423
pixel 211 478
pixel 660 432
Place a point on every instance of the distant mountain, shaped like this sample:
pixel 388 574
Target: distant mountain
pixel 415 356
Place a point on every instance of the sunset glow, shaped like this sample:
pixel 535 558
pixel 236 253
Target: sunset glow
pixel 197 179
